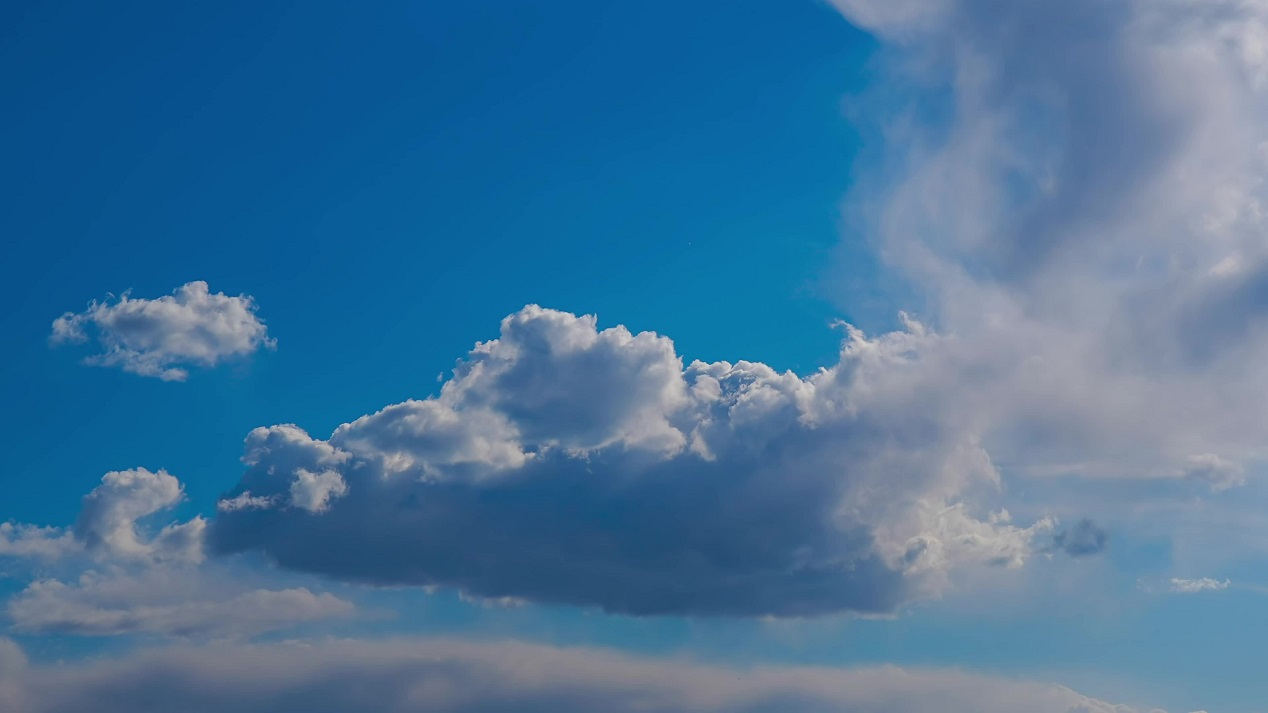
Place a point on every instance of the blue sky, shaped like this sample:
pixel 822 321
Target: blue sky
pixel 1033 460
pixel 456 163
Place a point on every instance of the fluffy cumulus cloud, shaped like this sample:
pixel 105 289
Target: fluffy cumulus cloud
pixel 441 676
pixel 1084 207
pixel 108 519
pixel 163 337
pixel 564 463
pixel 113 524
pixel 117 572
pixel 33 541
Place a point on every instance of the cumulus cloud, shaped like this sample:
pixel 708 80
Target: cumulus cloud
pixel 564 463
pixel 1194 586
pixel 1078 189
pixel 135 579
pixel 108 519
pixel 113 524
pixel 313 491
pixel 33 541
pixel 446 676
pixel 163 337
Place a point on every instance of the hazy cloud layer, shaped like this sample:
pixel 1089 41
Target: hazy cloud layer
pixel 458 677
pixel 163 337
pixel 171 602
pixel 563 463
pixel 1083 208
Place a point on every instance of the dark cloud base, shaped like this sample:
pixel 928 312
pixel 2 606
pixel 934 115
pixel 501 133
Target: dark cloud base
pixel 566 531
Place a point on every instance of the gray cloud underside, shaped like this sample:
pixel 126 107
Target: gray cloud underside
pixel 439 676
pixel 572 465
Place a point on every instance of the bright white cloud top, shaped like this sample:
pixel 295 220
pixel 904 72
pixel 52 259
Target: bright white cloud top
pixel 163 337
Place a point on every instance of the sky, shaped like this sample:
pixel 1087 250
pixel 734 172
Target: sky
pixel 840 356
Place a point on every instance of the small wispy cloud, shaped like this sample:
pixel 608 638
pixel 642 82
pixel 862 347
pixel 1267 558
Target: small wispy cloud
pixel 1194 586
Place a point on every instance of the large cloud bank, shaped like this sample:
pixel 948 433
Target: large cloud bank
pixel 456 677
pixel 163 337
pixel 567 464
pixel 1082 209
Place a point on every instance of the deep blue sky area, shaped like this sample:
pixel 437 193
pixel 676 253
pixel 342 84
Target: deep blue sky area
pixel 389 181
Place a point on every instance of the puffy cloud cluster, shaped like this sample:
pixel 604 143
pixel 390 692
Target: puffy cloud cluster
pixel 163 337
pixel 32 541
pixel 441 676
pixel 567 464
pixel 1081 197
pixel 134 579
pixel 109 526
pixel 108 519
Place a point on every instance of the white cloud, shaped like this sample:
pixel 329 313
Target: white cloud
pixel 131 579
pixel 1085 217
pixel 108 519
pixel 1194 586
pixel 244 501
pixel 172 602
pixel 314 491
pixel 564 463
pixel 111 524
pixel 448 676
pixel 50 543
pixel 164 336
pixel 1214 471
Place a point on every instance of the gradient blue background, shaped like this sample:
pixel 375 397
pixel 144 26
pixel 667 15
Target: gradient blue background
pixel 390 179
